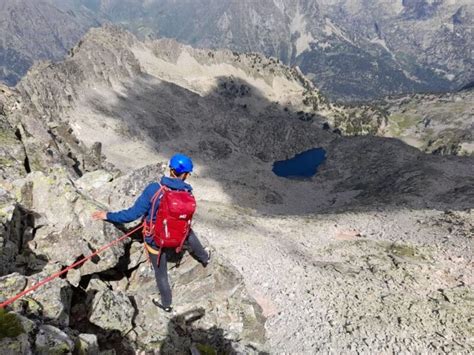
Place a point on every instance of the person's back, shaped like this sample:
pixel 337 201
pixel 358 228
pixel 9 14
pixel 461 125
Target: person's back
pixel 147 206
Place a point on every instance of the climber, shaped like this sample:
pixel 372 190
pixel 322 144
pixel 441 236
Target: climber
pixel 161 229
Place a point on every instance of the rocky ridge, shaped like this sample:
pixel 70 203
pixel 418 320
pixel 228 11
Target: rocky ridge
pixel 352 50
pixel 372 254
pixel 447 133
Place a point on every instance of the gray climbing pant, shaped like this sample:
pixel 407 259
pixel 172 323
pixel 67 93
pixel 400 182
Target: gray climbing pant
pixel 194 246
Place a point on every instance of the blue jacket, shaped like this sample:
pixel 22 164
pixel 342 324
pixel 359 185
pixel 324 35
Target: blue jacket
pixel 143 205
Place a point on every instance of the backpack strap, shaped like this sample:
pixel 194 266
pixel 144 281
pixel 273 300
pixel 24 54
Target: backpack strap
pixel 149 226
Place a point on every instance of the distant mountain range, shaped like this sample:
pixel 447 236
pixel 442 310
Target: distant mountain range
pixel 351 50
pixel 38 30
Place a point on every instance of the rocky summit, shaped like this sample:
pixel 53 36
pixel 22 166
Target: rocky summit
pixel 372 254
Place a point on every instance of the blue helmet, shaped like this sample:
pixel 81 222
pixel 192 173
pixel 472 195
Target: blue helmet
pixel 181 164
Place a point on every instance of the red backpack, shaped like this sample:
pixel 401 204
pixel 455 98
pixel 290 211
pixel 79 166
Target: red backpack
pixel 173 217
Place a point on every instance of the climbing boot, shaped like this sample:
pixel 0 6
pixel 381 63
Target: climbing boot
pixel 157 303
pixel 204 264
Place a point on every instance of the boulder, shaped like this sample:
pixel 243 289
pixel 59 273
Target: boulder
pixel 12 152
pixel 9 243
pixel 112 310
pixel 52 301
pixel 51 340
pixel 210 302
pixel 14 331
pixel 93 180
pixel 10 285
pixel 16 345
pixel 74 277
pixel 66 231
pixel 96 284
pixel 87 344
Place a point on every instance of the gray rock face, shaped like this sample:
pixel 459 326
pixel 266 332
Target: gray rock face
pixel 12 285
pixel 351 50
pixel 51 340
pixel 37 30
pixel 88 344
pixel 16 345
pixel 65 232
pixel 112 310
pixel 199 295
pixel 52 302
pixel 12 152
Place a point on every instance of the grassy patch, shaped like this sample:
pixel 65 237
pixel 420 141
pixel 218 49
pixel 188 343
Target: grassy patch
pixel 404 251
pixel 10 325
pixel 8 138
pixel 400 123
pixel 206 349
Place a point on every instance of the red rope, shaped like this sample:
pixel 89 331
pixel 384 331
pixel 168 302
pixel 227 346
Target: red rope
pixel 59 273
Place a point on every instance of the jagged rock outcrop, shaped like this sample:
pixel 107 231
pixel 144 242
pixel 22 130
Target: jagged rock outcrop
pixel 62 219
pixel 112 310
pixel 12 153
pixel 36 143
pixel 52 340
pixel 60 228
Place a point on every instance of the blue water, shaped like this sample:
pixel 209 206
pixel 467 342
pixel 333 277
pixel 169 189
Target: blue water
pixel 303 165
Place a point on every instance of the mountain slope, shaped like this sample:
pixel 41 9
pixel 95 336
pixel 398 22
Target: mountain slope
pixel 433 123
pixel 34 30
pixel 373 254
